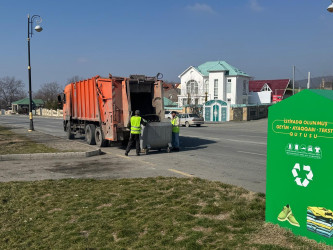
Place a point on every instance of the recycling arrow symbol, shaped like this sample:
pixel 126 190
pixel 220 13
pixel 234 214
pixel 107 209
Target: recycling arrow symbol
pixel 298 180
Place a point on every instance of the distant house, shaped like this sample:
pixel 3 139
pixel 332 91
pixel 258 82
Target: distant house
pixel 326 85
pixel 171 91
pixel 216 80
pixel 22 106
pixel 268 91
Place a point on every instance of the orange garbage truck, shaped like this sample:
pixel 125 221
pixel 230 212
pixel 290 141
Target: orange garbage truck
pixel 100 108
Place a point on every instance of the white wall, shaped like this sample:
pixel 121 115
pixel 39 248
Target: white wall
pixel 236 94
pixel 260 97
pixel 191 74
pixel 221 85
pixel 231 95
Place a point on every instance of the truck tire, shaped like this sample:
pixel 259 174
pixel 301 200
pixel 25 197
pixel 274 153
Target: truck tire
pixel 90 134
pixel 69 133
pixel 99 138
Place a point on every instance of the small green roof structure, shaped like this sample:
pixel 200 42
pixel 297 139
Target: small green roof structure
pixel 25 101
pixel 168 103
pixel 216 66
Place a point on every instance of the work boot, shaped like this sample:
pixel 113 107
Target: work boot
pixel 138 154
pixel 126 153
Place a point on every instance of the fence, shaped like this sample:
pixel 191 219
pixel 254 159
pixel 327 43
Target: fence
pixel 248 113
pixel 49 112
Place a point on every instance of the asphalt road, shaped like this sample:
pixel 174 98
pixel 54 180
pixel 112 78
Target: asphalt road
pixel 233 152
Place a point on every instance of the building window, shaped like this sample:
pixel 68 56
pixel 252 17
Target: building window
pixel 244 87
pixel 196 102
pixel 192 87
pixel 229 80
pixel 216 88
pixel 244 101
pixel 184 101
pixel 206 86
pixel 266 88
pixel 229 86
pixel 229 100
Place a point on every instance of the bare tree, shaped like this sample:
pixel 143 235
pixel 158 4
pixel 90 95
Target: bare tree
pixel 74 79
pixel 48 92
pixel 11 90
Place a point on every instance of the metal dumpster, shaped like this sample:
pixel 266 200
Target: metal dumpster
pixel 156 135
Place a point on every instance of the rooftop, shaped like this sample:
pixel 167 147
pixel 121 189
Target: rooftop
pixel 168 103
pixel 215 66
pixel 278 87
pixel 25 101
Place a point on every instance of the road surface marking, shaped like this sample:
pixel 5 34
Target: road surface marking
pixel 257 136
pixel 180 172
pixel 224 139
pixel 252 142
pixel 131 159
pixel 251 153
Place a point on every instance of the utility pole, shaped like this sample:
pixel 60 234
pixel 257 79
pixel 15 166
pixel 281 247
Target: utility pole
pixel 309 80
pixel 294 80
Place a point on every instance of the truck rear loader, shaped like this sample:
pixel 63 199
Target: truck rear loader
pixel 101 108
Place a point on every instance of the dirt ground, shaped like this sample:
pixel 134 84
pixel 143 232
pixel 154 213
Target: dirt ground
pixel 111 164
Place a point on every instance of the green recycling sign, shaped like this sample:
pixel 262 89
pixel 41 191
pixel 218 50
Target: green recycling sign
pixel 300 165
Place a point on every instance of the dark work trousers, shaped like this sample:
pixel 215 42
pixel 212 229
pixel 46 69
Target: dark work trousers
pixel 134 138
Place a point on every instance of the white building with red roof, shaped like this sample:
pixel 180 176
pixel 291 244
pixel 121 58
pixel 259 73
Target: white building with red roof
pixel 268 91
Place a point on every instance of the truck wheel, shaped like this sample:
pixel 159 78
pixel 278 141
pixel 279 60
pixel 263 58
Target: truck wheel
pixel 187 124
pixel 99 138
pixel 90 134
pixel 69 133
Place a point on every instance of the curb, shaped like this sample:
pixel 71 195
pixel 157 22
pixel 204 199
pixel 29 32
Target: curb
pixel 13 157
pixel 37 116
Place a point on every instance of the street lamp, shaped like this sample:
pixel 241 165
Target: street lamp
pixel 330 8
pixel 38 28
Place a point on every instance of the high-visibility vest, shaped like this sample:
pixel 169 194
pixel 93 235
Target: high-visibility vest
pixel 135 125
pixel 174 121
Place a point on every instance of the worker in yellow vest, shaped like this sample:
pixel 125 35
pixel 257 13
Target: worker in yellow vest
pixel 135 125
pixel 175 131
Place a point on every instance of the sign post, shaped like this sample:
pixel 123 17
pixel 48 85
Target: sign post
pixel 300 165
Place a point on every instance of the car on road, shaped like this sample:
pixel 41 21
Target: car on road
pixel 190 119
pixel 168 114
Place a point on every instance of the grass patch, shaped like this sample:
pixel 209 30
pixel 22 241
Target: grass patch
pixel 152 213
pixel 11 143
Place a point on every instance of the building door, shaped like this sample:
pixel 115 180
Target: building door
pixel 224 114
pixel 207 114
pixel 216 113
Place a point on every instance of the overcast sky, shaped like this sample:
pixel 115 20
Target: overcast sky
pixel 261 37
